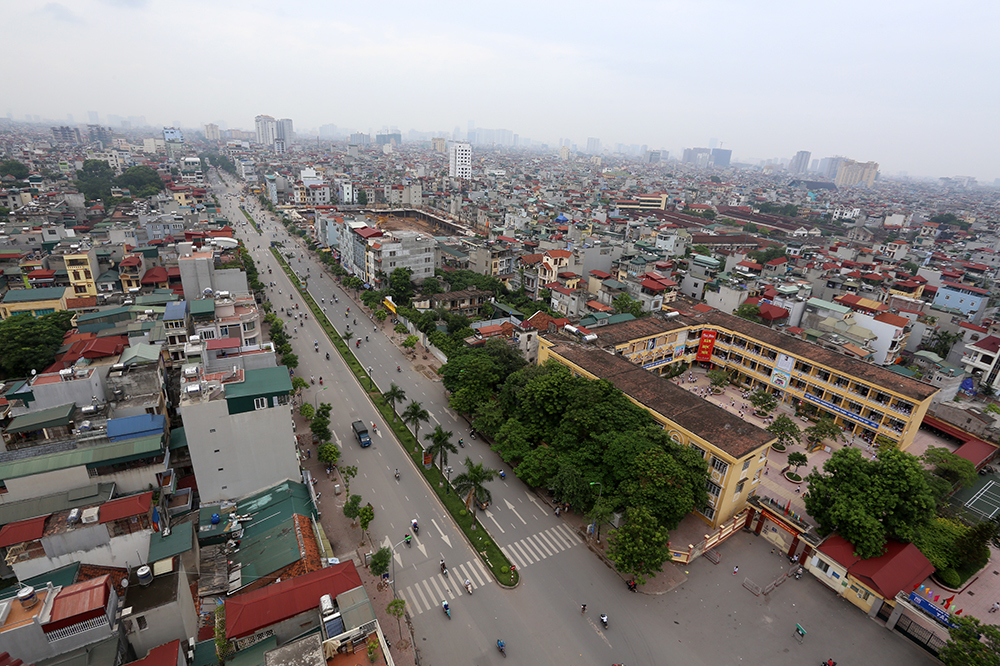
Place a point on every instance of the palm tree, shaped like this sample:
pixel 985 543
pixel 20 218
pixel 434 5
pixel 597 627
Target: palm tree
pixel 472 482
pixel 394 395
pixel 347 335
pixel 440 444
pixel 413 415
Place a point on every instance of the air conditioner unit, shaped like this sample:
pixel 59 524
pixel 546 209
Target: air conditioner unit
pixel 91 515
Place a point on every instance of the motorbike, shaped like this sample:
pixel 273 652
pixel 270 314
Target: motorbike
pixel 444 569
pixel 502 647
pixel 798 573
pixel 632 587
pixel 461 443
pixel 447 611
pixel 358 344
pixel 472 434
pixel 408 541
pixel 397 475
pixel 416 528
pixel 503 474
pixel 311 380
pixel 398 369
pixel 468 586
pixel 320 381
pixel 328 356
pixel 604 620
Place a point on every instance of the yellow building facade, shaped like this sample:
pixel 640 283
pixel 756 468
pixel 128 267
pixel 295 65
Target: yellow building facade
pixel 735 450
pixel 83 271
pixel 36 302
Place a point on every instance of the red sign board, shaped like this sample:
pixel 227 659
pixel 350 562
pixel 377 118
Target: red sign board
pixel 428 461
pixel 706 345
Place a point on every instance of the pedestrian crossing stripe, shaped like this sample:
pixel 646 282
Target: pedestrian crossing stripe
pixel 428 594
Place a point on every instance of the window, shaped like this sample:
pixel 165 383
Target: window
pixel 739 488
pixel 249 325
pixel 720 466
pixel 713 489
pixel 260 403
pixel 746 464
pixel 140 621
pixel 822 566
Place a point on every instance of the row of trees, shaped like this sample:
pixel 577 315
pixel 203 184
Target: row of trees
pixel 583 439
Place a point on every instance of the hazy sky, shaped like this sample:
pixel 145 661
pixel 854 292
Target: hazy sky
pixel 912 85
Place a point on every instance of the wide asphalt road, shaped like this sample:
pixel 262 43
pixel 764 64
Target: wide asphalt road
pixel 541 620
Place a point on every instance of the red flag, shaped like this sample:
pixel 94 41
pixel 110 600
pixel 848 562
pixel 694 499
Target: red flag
pixel 959 611
pixel 788 506
pixel 947 602
pixel 936 597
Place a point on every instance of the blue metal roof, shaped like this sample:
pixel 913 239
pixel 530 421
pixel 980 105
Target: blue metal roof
pixel 175 310
pixel 141 425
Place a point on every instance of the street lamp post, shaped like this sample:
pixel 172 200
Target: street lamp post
pixel 394 570
pixel 371 380
pixel 594 524
pixel 316 397
pixel 447 472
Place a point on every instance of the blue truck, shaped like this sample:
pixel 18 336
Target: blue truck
pixel 361 432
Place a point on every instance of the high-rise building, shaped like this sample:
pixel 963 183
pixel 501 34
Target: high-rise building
pixel 851 174
pixel 696 156
pixel 267 130
pixel 98 133
pixel 460 160
pixel 360 139
pixel 439 144
pixel 593 146
pixel 285 131
pixel 828 166
pixel 721 157
pixel 800 163
pixel 212 132
pixel 64 134
pixel 393 138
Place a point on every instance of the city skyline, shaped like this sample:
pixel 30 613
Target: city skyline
pixel 868 82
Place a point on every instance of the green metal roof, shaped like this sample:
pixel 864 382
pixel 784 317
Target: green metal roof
pixel 69 499
pixel 269 507
pixel 30 295
pixel 178 438
pixel 266 552
pixel 253 655
pixel 62 576
pixel 827 305
pixel 129 449
pixel 202 306
pixel 261 382
pixel 204 654
pixel 90 316
pixel 140 353
pixel 43 418
pixel 180 541
pixel 157 299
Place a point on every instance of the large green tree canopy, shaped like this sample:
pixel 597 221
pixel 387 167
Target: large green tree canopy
pixel 28 343
pixel 870 501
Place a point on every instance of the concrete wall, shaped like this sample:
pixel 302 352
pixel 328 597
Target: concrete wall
pixel 45 483
pixel 246 452
pixel 175 620
pixel 122 551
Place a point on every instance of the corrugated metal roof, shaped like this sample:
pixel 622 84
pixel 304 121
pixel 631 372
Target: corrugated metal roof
pixel 126 507
pixel 70 499
pixel 43 418
pixel 30 295
pixel 23 530
pixel 179 541
pixel 84 455
pixel 261 381
pixel 77 599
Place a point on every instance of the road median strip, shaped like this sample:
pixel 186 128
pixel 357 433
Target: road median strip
pixel 480 540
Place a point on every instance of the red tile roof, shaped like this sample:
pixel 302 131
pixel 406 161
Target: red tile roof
pixel 990 344
pixel 161 655
pixel 247 613
pixel 770 312
pixel 155 275
pixel 30 529
pixel 133 505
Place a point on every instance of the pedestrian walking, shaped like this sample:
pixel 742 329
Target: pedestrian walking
pixel 736 570
pixel 995 607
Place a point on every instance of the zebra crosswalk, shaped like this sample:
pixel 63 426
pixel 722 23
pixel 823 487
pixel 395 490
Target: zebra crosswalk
pixel 540 545
pixel 430 592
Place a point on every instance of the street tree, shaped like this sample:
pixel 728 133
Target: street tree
pixel 381 315
pixel 348 472
pixel 379 564
pixel 971 643
pixel 669 485
pixel 320 427
pixel 366 515
pixel 290 361
pixel 870 501
pixel 786 431
pixel 401 286
pixel 307 410
pixel 413 415
pixel 764 402
pixel 397 608
pixel 639 547
pixel 328 453
pixel 352 507
pixel 298 384
pixel 440 445
pixel 411 341
pixel 472 483
pixel 394 395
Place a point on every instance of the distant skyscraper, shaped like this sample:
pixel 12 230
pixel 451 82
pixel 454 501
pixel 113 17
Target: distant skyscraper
pixel 267 130
pixel 712 143
pixel 64 134
pixel 851 174
pixel 460 160
pixel 285 131
pixel 814 165
pixel 698 156
pixel 593 146
pixel 439 144
pixel 212 132
pixel 721 157
pixel 652 157
pixel 360 139
pixel 93 117
pixel 800 163
pixel 828 166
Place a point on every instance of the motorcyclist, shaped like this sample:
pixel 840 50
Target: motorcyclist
pixel 604 619
pixel 407 539
pixel 443 567
pixel 413 524
pixel 328 356
pixel 397 472
pixel 503 474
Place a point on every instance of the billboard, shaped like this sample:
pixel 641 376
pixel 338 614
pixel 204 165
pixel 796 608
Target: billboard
pixel 706 345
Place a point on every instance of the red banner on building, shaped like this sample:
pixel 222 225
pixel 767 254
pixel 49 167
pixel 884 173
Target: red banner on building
pixel 706 345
